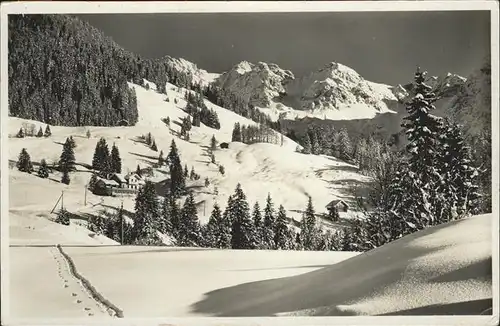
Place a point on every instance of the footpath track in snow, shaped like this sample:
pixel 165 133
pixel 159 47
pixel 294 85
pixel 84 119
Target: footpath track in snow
pixel 79 290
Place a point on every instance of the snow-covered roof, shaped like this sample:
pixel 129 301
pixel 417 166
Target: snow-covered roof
pixel 120 177
pixel 335 202
pixel 108 182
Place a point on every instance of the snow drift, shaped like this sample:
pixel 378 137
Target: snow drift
pixel 442 270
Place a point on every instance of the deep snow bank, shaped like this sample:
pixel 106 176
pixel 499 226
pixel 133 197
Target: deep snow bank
pixel 438 271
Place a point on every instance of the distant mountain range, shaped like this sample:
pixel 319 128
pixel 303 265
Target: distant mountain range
pixel 95 92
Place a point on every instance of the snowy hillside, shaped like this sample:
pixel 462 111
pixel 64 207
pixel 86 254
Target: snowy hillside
pixel 260 168
pixel 334 92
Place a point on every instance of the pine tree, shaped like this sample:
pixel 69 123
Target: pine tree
pixel 219 229
pixel 460 177
pixel 306 144
pixel 67 159
pixel 236 136
pixel 177 178
pixel 101 160
pixel 258 224
pixel 228 212
pixel 47 133
pixel 92 182
pixel 189 227
pixel 207 182
pixel 153 146
pixel 138 170
pixel 43 170
pixel 222 170
pixel 257 216
pixel 147 215
pixel 269 223
pixel 175 216
pixel 24 162
pixel 40 133
pixel 65 177
pixel 421 202
pixel 160 159
pixel 308 229
pixel 71 141
pixel 344 146
pixel 213 143
pixel 166 221
pixel 281 230
pixel 186 171
pixel 63 217
pixel 20 134
pixel 116 161
pixel 242 230
pixel 88 133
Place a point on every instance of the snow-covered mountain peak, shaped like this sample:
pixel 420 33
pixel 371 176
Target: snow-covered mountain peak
pixel 335 87
pixel 181 65
pixel 257 84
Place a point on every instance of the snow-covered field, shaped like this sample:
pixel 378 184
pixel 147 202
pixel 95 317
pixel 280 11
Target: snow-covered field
pixel 438 271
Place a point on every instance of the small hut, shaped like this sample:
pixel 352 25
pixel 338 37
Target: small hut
pixel 338 204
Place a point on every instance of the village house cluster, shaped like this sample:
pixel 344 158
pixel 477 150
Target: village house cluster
pixel 119 183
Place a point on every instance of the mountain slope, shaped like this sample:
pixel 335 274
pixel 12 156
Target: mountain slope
pixel 261 168
pixel 65 72
pixel 471 105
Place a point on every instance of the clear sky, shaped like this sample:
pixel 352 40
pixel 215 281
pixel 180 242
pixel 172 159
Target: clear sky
pixel 382 46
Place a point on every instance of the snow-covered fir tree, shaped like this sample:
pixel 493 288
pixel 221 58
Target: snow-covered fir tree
pixel 24 162
pixel 40 132
pixel 175 216
pixel 160 159
pixel 153 146
pixel 306 145
pixel 101 159
pixel 242 230
pixel 236 135
pixel 460 176
pixel 166 220
pixel 147 216
pixel 213 143
pixel 67 159
pixel 308 229
pixel 421 201
pixel 20 133
pixel 43 170
pixel 258 224
pixel 189 225
pixel 269 223
pixel 47 132
pixel 65 177
pixel 281 232
pixel 219 229
pixel 63 217
pixel 116 161
pixel 177 177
